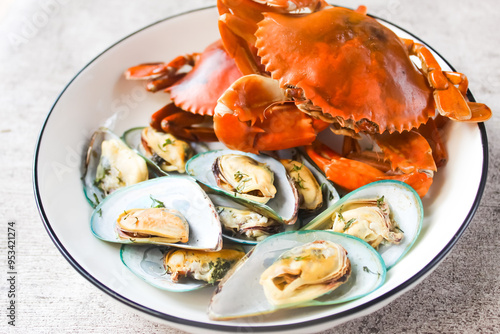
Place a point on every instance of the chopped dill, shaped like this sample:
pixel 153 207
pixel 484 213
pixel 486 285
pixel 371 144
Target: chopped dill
pixel 219 269
pixel 168 141
pixel 367 270
pixel 156 203
pixel 349 223
pixel 241 185
pixel 380 202
pixel 238 176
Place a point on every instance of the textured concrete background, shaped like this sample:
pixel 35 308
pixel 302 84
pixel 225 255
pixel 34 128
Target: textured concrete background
pixel 43 44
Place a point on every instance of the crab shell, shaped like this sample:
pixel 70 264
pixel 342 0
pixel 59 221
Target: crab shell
pixel 199 90
pixel 351 68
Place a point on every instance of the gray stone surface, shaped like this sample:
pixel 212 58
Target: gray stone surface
pixel 43 44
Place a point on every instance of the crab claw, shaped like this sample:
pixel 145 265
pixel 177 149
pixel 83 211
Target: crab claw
pixel 161 75
pixel 254 115
pixel 182 124
pixel 347 173
pixel 409 154
pixel 450 88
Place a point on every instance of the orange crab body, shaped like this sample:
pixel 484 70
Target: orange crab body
pixel 345 68
pixel 349 66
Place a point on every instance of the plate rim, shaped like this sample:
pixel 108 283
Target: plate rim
pixel 387 297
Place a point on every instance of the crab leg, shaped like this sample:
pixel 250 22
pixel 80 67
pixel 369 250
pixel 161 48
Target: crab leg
pixel 430 131
pixel 407 151
pixel 161 75
pixel 347 173
pixel 174 120
pixel 450 100
pixel 410 157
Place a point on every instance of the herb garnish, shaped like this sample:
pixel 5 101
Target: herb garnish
pixel 399 229
pixel 238 176
pixel 296 168
pixel 380 202
pixel 97 201
pixel 299 181
pixel 349 223
pixel 367 270
pixel 168 141
pixel 156 203
pixel 339 213
pixel 218 269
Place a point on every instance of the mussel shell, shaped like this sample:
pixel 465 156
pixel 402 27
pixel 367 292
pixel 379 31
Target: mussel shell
pixel 283 207
pixel 132 137
pixel 221 200
pixel 406 210
pixel 368 274
pixel 177 192
pixel 93 193
pixel 330 194
pixel 146 262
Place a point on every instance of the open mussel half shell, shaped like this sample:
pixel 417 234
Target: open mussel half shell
pixel 175 150
pixel 299 175
pixel 110 165
pixel 405 212
pixel 178 194
pixel 282 207
pixel 148 262
pixel 367 273
pixel 241 224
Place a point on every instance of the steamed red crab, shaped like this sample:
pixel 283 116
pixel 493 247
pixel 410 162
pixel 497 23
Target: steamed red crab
pixel 345 68
pixel 194 97
pixel 194 93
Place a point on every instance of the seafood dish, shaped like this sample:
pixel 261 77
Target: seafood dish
pixel 274 279
pixel 237 157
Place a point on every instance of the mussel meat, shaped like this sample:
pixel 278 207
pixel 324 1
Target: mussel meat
pixel 162 224
pixel 245 176
pixel 306 272
pixel 210 267
pixel 248 223
pixel 165 150
pixel 119 167
pixel 310 194
pixel 367 219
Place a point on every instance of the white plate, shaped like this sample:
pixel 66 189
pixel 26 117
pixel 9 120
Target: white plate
pixel 99 95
